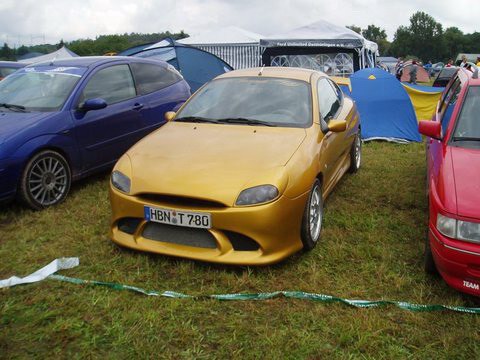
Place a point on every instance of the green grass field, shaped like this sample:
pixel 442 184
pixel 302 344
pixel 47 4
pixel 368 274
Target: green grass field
pixel 371 248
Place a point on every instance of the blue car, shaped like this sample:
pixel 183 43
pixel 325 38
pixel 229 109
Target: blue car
pixel 65 119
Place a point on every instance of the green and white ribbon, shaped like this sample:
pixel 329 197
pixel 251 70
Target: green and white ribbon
pixel 271 295
pixel 48 271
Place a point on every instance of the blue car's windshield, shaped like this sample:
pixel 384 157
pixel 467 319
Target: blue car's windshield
pixel 43 88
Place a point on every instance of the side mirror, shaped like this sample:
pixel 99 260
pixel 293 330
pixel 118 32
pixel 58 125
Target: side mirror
pixel 337 125
pixel 430 128
pixel 169 115
pixel 93 104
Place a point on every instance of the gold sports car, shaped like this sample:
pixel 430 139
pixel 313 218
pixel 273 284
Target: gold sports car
pixel 239 174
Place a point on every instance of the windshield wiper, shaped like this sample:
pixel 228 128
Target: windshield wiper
pixel 245 121
pixel 465 138
pixel 196 119
pixel 20 108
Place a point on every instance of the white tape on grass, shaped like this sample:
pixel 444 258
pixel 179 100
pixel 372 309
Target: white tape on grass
pixel 43 273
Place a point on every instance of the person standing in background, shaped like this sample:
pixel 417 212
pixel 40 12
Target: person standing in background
pixel 399 69
pixel 413 73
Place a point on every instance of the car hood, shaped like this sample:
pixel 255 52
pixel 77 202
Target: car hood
pixel 212 162
pixel 11 123
pixel 466 170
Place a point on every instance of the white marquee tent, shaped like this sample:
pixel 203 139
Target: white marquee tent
pixel 236 46
pixel 61 53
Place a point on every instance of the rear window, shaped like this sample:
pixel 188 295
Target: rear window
pixel 151 77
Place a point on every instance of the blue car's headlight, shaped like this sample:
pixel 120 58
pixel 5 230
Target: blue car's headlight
pixel 121 181
pixel 257 195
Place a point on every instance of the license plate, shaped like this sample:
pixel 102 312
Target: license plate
pixel 178 218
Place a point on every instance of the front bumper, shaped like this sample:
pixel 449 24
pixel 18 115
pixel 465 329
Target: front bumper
pixel 457 261
pixel 275 227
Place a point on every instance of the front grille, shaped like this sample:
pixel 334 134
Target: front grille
pixel 180 235
pixel 128 225
pixel 241 242
pixel 180 201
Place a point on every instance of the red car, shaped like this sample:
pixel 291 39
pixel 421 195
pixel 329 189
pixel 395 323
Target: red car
pixel 453 179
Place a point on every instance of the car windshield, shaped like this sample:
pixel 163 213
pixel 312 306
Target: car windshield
pixel 467 128
pixel 43 88
pixel 252 101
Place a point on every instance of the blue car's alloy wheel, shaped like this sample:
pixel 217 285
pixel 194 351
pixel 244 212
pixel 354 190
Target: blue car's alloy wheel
pixel 46 180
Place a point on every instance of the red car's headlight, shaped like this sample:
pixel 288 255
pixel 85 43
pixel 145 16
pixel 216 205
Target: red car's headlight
pixel 458 229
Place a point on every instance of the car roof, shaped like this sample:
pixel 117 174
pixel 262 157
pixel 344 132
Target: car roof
pixel 93 61
pixel 11 64
pixel 273 71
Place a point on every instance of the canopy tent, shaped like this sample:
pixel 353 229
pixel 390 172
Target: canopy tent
pixel 386 112
pixel 236 46
pixel 61 53
pixel 424 99
pixel 323 46
pixel 422 74
pixel 195 65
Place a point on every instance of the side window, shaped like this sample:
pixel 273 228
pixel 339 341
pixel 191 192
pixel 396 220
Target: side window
pixel 328 99
pixel 113 84
pixel 337 90
pixel 449 101
pixel 151 77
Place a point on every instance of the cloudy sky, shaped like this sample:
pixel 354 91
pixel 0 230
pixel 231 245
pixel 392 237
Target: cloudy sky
pixel 31 21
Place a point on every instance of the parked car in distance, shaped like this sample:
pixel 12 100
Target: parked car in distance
pixel 8 67
pixel 453 168
pixel 240 173
pixel 65 119
pixel 437 67
pixel 444 76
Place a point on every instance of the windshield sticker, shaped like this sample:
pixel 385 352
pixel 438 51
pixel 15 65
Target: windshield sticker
pixel 62 70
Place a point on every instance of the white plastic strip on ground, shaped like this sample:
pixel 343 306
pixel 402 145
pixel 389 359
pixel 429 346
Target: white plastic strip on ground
pixel 43 273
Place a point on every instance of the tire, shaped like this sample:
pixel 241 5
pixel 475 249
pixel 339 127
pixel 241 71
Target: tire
pixel 356 153
pixel 45 180
pixel 312 218
pixel 428 262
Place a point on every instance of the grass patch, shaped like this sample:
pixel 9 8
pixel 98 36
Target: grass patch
pixel 371 248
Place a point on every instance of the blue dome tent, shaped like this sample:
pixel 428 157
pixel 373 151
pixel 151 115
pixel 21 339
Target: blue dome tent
pixel 195 65
pixel 386 111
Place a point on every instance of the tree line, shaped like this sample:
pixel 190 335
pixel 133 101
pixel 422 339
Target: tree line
pixel 424 38
pixel 101 45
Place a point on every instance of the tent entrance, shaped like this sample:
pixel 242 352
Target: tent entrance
pixel 333 61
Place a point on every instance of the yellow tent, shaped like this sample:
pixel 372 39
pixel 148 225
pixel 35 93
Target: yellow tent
pixel 424 99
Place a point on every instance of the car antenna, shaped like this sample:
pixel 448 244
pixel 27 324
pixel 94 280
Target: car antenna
pixel 261 70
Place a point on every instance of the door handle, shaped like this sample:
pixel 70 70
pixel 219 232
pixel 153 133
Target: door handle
pixel 137 106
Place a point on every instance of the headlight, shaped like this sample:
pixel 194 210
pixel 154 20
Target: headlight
pixel 446 226
pixel 468 231
pixel 458 229
pixel 121 181
pixel 257 195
